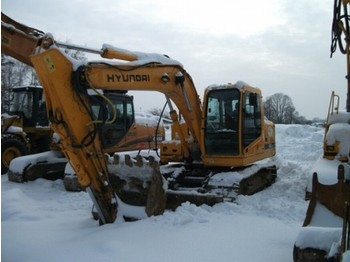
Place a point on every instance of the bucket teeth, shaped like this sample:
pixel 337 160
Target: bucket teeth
pixel 115 159
pixel 128 161
pixel 139 161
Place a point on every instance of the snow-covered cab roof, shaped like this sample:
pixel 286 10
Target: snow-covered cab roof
pixel 241 85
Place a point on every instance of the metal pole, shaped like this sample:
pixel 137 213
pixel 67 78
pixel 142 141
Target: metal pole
pixel 79 48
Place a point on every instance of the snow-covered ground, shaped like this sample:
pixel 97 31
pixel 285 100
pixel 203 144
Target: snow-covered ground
pixel 40 221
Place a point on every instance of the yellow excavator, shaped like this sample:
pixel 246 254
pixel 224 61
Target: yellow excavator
pixel 325 233
pixel 227 132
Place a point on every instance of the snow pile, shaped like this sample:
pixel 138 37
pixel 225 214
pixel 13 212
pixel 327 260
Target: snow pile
pixel 340 132
pixel 326 170
pixel 318 237
pixel 17 165
pixel 43 222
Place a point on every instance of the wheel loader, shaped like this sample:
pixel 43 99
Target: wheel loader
pixel 222 147
pixel 325 233
pixel 25 127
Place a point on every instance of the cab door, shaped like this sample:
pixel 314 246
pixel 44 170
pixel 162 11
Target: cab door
pixel 222 124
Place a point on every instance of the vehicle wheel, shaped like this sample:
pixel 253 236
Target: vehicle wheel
pixel 11 147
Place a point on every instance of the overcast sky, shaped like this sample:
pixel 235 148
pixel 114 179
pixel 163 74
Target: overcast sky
pixel 280 46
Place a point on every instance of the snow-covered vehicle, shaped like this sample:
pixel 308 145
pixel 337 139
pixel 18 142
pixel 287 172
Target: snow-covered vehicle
pixel 336 147
pixel 24 127
pixel 325 233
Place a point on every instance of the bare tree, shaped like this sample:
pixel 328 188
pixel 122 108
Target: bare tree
pixel 279 108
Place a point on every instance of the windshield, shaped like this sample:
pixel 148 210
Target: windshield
pixel 222 110
pixel 123 109
pixel 22 102
pixel 222 122
pixel 112 133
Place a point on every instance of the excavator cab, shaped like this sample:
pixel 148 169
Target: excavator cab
pixel 235 131
pixel 119 113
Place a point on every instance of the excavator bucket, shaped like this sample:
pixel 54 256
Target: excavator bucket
pixel 137 181
pixel 323 229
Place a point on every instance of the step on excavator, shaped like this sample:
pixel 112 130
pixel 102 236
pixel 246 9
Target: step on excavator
pixel 222 147
pixel 325 233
